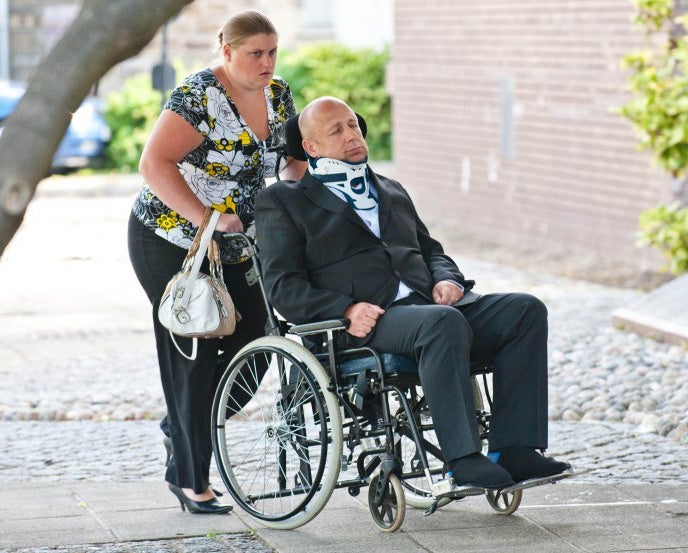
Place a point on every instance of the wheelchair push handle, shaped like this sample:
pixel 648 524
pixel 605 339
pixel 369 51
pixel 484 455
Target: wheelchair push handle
pixel 242 236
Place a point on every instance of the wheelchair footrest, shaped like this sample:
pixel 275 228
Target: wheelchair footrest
pixel 449 489
pixel 534 482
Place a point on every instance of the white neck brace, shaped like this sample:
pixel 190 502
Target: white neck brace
pixel 350 180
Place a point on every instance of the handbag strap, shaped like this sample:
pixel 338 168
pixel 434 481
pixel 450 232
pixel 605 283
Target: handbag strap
pixel 214 260
pixel 196 254
pixel 196 244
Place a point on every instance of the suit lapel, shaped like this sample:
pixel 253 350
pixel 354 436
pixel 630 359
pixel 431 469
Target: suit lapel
pixel 384 200
pixel 320 195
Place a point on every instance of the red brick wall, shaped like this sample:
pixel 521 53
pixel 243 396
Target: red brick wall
pixel 576 181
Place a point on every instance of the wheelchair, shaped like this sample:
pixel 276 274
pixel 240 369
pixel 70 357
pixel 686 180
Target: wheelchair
pixel 290 425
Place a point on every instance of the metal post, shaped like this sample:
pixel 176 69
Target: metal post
pixel 163 72
pixel 164 45
pixel 163 60
pixel 4 40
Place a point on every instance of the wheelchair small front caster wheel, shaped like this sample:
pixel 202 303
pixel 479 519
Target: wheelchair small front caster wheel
pixel 354 491
pixel 389 515
pixel 504 503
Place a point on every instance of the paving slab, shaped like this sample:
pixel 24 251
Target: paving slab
pixel 73 513
pixel 559 518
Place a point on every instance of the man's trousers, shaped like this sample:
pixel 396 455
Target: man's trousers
pixel 509 330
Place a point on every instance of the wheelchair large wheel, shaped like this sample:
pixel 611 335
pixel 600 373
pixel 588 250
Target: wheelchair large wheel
pixel 277 432
pixel 389 515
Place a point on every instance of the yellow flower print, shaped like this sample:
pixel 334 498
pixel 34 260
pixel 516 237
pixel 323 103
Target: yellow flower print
pixel 280 114
pixel 178 218
pixel 229 205
pixel 245 138
pixel 166 222
pixel 216 169
pixel 225 145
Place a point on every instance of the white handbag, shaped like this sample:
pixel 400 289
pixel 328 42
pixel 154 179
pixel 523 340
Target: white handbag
pixel 196 305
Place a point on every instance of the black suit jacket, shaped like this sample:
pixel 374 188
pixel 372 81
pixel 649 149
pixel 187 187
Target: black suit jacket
pixel 319 257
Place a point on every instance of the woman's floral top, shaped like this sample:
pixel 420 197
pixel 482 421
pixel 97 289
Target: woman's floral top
pixel 229 167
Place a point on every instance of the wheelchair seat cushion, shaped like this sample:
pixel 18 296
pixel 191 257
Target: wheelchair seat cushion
pixel 392 364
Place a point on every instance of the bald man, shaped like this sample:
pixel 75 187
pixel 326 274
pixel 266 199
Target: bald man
pixel 346 242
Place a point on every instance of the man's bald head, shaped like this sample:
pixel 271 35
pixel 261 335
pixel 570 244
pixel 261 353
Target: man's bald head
pixel 329 128
pixel 316 109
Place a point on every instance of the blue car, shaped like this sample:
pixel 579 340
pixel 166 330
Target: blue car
pixel 86 138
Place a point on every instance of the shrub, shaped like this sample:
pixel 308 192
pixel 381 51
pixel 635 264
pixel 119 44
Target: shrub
pixel 665 228
pixel 357 76
pixel 131 113
pixel 658 109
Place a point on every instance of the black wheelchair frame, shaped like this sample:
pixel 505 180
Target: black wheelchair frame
pixel 283 416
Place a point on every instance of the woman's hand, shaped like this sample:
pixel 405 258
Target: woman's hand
pixel 229 222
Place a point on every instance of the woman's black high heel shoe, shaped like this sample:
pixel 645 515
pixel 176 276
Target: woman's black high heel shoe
pixel 208 507
pixel 167 442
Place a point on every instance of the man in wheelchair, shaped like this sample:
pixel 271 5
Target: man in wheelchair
pixel 347 242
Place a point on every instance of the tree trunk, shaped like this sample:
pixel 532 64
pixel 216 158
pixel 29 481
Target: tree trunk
pixel 103 34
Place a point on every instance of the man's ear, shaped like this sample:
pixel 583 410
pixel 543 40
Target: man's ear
pixel 309 148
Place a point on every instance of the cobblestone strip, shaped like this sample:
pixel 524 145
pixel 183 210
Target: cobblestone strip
pixel 600 452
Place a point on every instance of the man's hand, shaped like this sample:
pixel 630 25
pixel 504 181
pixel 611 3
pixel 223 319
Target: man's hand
pixel 363 317
pixel 446 293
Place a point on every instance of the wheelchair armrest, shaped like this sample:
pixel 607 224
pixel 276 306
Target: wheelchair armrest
pixel 319 327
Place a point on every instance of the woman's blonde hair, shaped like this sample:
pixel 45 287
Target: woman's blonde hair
pixel 243 25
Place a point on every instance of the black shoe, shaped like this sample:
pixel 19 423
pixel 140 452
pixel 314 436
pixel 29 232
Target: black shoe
pixel 208 507
pixel 167 442
pixel 478 471
pixel 525 463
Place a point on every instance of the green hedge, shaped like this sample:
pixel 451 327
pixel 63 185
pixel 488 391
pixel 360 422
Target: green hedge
pixel 357 76
pixel 658 109
pixel 131 114
pixel 665 227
